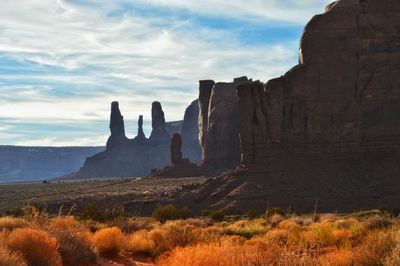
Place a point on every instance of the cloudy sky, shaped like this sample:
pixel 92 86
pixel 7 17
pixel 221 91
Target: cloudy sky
pixel 63 61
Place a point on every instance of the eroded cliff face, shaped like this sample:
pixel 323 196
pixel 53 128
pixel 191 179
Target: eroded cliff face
pixel 218 123
pixel 344 94
pixel 190 132
pixel 329 129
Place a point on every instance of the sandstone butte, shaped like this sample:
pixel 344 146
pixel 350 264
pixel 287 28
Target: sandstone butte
pixel 328 130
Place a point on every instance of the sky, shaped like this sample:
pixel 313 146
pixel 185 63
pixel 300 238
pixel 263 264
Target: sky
pixel 62 62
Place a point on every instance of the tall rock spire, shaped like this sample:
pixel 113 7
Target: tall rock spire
pixel 159 133
pixel 117 128
pixel 140 134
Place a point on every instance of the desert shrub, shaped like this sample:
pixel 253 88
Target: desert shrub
pixel 74 240
pixel 252 214
pixel 75 249
pixel 275 219
pixel 248 229
pixel 323 233
pixel 108 241
pixel 10 258
pixel 217 216
pixel 222 254
pixel 37 247
pixel 170 212
pixel 394 257
pixel 341 257
pixel 132 225
pixel 272 211
pixel 375 248
pixel 11 223
pixel 92 213
pixel 179 234
pixel 196 222
pixel 141 243
pixel 377 223
pixel 288 224
pixel 277 236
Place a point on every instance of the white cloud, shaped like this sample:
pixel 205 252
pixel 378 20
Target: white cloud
pixel 74 58
pixel 290 11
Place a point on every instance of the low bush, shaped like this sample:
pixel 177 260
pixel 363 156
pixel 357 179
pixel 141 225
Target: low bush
pixel 108 241
pixel 10 258
pixel 11 223
pixel 37 247
pixel 170 212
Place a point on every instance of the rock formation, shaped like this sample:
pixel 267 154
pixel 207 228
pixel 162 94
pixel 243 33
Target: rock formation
pixel 135 157
pixel 175 148
pixel 329 129
pixel 140 135
pixel 159 133
pixel 219 123
pixel 180 167
pixel 205 88
pixel 190 132
pixel 117 128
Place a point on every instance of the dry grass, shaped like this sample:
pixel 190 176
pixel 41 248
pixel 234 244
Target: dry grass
pixel 109 241
pixel 11 258
pixel 11 223
pixel 37 247
pixel 36 239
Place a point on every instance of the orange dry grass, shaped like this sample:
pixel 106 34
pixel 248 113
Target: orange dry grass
pixel 375 247
pixel 340 257
pixel 10 258
pixel 38 248
pixel 141 243
pixel 288 224
pixel 217 254
pixel 11 223
pixel 74 240
pixel 109 241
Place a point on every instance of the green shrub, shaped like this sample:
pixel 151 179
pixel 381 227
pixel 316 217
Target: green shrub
pixel 217 216
pixel 92 213
pixel 170 212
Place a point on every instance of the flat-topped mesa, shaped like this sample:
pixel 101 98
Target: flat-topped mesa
pixel 220 134
pixel 117 128
pixel 159 133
